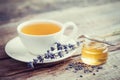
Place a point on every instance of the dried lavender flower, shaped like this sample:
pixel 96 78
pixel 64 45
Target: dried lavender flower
pixel 58 44
pixel 52 48
pixel 40 58
pixel 66 68
pixel 35 61
pixel 69 45
pixel 52 56
pixel 71 64
pixel 60 54
pixel 30 64
pixel 46 56
pixel 99 67
pixel 73 47
pixel 81 76
pixel 66 51
pixel 48 51
pixel 61 50
pixel 93 73
pixel 77 66
pixel 65 47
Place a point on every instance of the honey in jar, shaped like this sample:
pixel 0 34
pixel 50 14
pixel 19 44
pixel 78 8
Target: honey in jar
pixel 94 53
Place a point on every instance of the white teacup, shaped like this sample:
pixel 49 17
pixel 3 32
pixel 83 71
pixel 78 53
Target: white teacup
pixel 39 44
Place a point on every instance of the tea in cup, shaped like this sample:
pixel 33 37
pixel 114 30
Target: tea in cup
pixel 39 35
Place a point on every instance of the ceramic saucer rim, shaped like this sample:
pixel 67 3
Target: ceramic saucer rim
pixel 51 60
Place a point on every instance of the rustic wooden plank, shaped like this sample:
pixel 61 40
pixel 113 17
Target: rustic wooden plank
pixel 15 69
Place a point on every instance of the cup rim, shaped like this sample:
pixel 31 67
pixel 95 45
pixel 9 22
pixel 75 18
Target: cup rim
pixel 20 26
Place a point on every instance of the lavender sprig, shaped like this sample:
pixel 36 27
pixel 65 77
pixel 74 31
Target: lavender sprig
pixel 58 50
pixel 40 58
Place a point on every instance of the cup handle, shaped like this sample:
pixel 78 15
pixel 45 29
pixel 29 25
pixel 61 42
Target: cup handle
pixel 73 34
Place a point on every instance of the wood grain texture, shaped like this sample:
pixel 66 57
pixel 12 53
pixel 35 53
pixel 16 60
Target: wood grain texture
pixel 93 17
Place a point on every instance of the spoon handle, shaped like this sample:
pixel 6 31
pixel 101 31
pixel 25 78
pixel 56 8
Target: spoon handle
pixel 92 39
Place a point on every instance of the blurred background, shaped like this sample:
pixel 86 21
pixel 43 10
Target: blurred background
pixel 15 9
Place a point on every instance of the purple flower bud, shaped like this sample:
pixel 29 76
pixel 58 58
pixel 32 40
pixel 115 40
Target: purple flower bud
pixel 59 48
pixel 65 46
pixel 48 51
pixel 40 58
pixel 66 51
pixel 52 56
pixel 73 47
pixel 35 61
pixel 99 67
pixel 30 64
pixel 60 54
pixel 58 44
pixel 52 48
pixel 69 45
pixel 46 56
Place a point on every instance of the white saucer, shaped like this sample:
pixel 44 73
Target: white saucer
pixel 16 50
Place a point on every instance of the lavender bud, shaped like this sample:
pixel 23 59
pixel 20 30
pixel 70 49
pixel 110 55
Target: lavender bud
pixel 81 76
pixel 60 54
pixel 93 73
pixel 30 64
pixel 71 64
pixel 35 61
pixel 52 56
pixel 76 68
pixel 58 44
pixel 99 67
pixel 52 48
pixel 48 51
pixel 46 56
pixel 59 48
pixel 40 58
pixel 73 47
pixel 66 51
pixel 65 47
pixel 69 45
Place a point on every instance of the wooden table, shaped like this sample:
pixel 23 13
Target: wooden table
pixel 92 18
